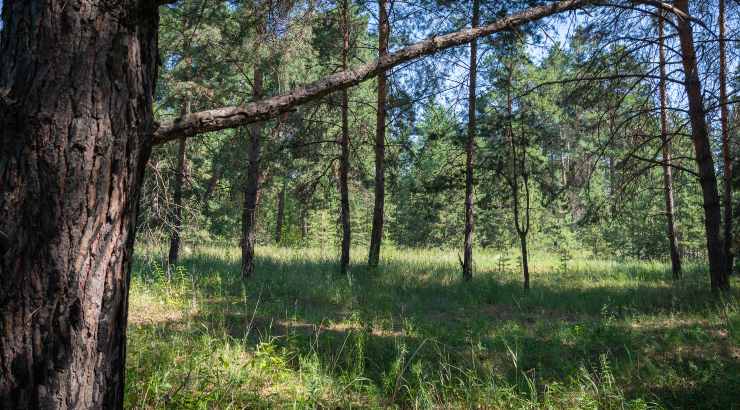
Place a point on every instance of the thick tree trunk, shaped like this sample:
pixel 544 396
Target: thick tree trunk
pixel 177 205
pixel 703 153
pixel 470 152
pixel 667 166
pixel 344 156
pixel 76 87
pixel 279 220
pixel 726 154
pixel 376 236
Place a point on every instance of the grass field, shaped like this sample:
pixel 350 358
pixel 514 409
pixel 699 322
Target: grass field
pixel 592 334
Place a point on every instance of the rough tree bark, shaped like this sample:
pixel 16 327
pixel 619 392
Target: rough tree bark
pixel 467 266
pixel 726 149
pixel 344 156
pixel 77 81
pixel 703 152
pixel 667 155
pixel 376 236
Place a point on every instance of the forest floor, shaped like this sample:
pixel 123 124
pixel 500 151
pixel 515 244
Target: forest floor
pixel 410 334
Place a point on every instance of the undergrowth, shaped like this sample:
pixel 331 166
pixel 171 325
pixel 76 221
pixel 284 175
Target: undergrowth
pixel 592 334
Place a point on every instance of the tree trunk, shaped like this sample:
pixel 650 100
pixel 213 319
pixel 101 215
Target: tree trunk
pixel 470 152
pixel 76 90
pixel 177 205
pixel 304 222
pixel 703 153
pixel 726 154
pixel 280 212
pixel 525 258
pixel 218 171
pixel 667 169
pixel 251 190
pixel 344 157
pixel 517 168
pixel 376 236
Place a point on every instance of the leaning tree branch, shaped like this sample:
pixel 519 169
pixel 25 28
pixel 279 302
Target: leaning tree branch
pixel 231 117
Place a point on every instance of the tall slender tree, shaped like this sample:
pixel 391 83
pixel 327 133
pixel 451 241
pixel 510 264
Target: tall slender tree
pixel 726 149
pixel 344 146
pixel 376 236
pixel 467 265
pixel 177 204
pixel 667 154
pixel 280 217
pixel 252 186
pixel 702 151
pixel 518 165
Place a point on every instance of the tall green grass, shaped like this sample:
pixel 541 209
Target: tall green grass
pixel 410 334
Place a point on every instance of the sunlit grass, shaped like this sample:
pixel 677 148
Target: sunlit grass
pixel 410 334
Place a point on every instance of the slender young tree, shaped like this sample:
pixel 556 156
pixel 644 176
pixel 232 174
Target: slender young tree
pixel 467 265
pixel 376 236
pixel 304 221
pixel 703 152
pixel 518 169
pixel 726 149
pixel 177 204
pixel 216 174
pixel 667 155
pixel 344 145
pixel 176 222
pixel 280 218
pixel 252 186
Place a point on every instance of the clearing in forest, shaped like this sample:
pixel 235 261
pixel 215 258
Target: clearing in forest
pixel 410 334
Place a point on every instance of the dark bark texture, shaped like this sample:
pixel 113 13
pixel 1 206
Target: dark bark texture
pixel 76 84
pixel 376 236
pixel 667 155
pixel 467 265
pixel 703 152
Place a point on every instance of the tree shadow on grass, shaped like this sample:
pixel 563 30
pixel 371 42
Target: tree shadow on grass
pixel 370 320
